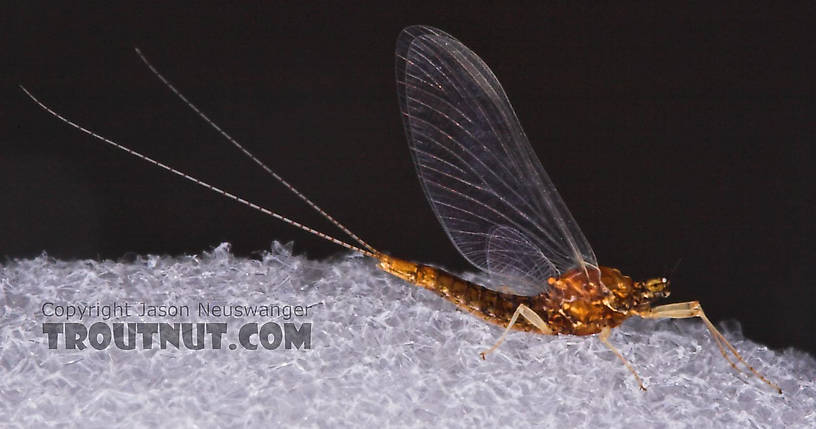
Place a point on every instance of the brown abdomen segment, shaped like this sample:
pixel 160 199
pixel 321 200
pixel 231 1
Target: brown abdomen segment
pixel 492 306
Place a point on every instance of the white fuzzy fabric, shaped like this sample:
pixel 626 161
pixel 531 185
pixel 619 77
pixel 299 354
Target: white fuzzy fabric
pixel 383 353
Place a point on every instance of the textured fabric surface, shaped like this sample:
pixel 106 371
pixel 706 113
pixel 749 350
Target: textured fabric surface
pixel 382 353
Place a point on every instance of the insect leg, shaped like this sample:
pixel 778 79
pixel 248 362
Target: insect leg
pixel 681 310
pixel 604 337
pixel 528 315
pixel 685 310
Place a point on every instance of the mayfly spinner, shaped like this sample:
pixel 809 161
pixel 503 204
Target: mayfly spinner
pixel 496 203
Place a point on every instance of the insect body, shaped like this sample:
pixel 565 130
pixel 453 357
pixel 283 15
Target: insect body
pixel 571 305
pixel 496 203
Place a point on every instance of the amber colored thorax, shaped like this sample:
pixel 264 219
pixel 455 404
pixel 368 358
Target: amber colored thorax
pixel 581 304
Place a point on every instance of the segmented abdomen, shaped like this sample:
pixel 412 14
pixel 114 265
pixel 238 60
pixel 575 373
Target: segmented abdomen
pixel 492 306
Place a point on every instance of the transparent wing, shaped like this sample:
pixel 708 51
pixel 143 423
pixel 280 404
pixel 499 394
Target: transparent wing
pixel 477 168
pixel 513 260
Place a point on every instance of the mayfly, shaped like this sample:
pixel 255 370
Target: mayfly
pixel 494 200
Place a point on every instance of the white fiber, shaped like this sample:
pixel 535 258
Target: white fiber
pixel 383 353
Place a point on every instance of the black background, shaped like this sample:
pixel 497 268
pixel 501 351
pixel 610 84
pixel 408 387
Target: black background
pixel 671 134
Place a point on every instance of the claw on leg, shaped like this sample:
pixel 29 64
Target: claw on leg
pixel 604 337
pixel 685 310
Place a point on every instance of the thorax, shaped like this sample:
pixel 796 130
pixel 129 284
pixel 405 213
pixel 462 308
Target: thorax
pixel 578 303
